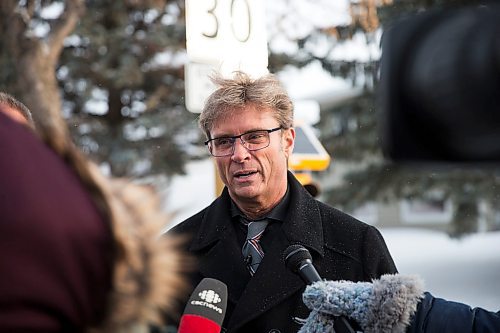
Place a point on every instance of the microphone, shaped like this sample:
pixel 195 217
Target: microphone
pixel 385 305
pixel 206 308
pixel 298 259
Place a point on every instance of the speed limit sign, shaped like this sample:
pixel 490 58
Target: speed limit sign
pixel 216 29
pixel 223 35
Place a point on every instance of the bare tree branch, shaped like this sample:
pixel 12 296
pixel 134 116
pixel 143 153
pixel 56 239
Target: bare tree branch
pixel 63 26
pixel 30 8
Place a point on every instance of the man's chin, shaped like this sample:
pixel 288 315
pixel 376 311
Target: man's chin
pixel 244 193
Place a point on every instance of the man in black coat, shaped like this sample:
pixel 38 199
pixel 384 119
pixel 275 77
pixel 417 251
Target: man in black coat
pixel 248 123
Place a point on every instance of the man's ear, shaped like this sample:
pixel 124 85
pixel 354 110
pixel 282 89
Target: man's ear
pixel 288 141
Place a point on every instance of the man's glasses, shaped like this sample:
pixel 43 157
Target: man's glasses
pixel 254 140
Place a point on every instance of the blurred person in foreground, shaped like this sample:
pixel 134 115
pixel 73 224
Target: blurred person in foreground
pixel 78 252
pixel 249 128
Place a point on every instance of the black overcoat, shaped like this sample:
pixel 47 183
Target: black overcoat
pixel 271 301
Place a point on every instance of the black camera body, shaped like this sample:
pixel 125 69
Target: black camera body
pixel 440 86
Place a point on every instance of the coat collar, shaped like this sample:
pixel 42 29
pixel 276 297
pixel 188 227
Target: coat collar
pixel 223 260
pixel 302 225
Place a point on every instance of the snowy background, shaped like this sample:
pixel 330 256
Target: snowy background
pixel 466 270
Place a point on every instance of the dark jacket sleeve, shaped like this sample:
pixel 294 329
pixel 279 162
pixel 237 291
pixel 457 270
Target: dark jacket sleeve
pixel 436 315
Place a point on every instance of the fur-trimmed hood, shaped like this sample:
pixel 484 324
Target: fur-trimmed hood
pixel 148 279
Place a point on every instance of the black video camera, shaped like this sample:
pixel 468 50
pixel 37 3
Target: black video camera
pixel 440 86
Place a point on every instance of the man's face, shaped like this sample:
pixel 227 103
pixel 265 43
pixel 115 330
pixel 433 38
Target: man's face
pixel 256 178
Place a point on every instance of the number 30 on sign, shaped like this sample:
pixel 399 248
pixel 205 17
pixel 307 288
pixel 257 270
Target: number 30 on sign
pixel 218 29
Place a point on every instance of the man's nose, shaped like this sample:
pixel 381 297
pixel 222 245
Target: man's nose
pixel 240 152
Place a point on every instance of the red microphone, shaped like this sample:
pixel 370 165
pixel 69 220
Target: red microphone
pixel 206 308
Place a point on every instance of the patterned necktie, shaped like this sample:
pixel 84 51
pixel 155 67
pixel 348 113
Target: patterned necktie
pixel 252 251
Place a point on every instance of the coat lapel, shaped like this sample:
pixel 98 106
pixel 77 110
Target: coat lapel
pixel 273 283
pixel 221 256
pixel 303 224
pixel 224 262
pixel 270 285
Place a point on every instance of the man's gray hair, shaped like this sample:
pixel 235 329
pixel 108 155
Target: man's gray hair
pixel 241 90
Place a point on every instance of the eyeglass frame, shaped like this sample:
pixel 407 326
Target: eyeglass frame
pixel 269 131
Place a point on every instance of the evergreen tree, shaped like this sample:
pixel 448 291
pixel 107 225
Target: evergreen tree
pixel 113 70
pixel 127 58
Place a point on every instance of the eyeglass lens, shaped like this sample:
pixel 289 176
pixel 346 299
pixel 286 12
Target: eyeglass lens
pixel 252 141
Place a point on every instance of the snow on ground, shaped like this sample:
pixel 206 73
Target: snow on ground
pixel 466 270
pixel 190 193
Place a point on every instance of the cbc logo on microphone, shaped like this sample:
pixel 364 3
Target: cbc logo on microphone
pixel 208 300
pixel 210 296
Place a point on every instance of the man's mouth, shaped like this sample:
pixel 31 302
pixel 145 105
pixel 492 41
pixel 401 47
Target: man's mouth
pixel 244 174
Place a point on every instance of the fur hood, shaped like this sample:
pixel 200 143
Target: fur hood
pixel 148 279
